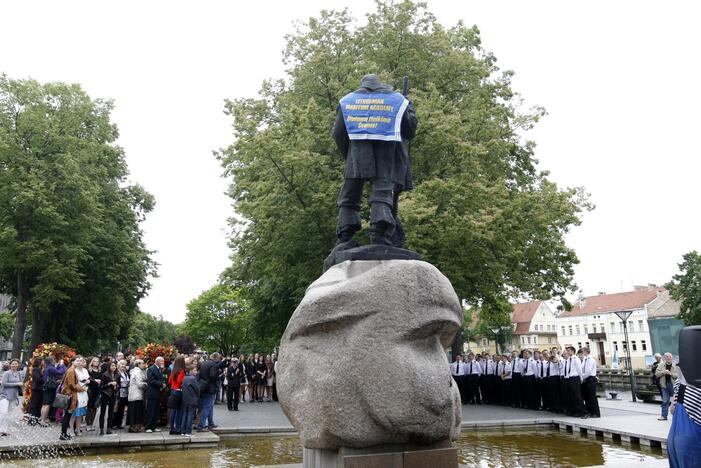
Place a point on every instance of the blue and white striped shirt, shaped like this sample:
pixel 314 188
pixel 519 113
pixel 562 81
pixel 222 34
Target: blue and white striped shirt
pixel 692 398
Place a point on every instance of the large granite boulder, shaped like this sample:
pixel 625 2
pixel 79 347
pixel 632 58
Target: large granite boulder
pixel 362 360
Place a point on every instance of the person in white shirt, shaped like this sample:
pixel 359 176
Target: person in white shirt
pixel 560 359
pixel 529 381
pixel 540 362
pixel 589 384
pixel 573 380
pixel 487 379
pixel 516 380
pixel 459 371
pixel 504 373
pixel 553 389
pixel 474 370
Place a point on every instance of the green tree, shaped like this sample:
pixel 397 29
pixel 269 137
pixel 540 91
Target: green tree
pixel 481 211
pixel 219 319
pixel 686 287
pixel 146 328
pixel 7 324
pixel 71 250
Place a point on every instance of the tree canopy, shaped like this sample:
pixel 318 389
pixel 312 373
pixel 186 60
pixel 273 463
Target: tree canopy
pixel 686 287
pixel 219 319
pixel 145 328
pixel 481 211
pixel 71 247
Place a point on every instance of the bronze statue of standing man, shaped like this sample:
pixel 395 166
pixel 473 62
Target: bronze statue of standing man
pixel 373 125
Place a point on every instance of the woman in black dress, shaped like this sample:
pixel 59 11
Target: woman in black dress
pixel 37 387
pixel 251 378
pixel 260 378
pixel 93 392
pixel 108 395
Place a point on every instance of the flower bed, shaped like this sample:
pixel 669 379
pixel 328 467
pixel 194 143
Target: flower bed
pixel 58 351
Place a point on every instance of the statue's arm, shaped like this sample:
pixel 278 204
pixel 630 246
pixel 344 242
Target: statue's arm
pixel 339 133
pixel 409 122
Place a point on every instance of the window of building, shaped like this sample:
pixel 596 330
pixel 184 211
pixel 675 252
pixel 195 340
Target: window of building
pixel 641 327
pixel 570 328
pixel 613 327
pixel 634 346
pixel 602 328
pixel 550 340
pixel 586 329
pixel 523 340
pixel 577 328
pixel 631 325
pixel 593 328
pixel 485 342
pixel 528 339
pixel 643 345
pixel 620 327
pixel 563 330
pixel 615 345
pixel 625 345
pixel 579 345
pixel 587 344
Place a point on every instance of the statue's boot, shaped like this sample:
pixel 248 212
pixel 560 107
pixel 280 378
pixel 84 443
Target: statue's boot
pixel 348 225
pixel 381 224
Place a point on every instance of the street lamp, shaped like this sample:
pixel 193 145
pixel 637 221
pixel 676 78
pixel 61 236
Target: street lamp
pixel 624 315
pixel 495 330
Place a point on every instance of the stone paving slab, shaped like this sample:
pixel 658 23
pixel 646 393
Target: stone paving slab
pixel 31 441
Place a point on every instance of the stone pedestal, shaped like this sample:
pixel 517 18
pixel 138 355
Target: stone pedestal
pixel 386 456
pixel 362 365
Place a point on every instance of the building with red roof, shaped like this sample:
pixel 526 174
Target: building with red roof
pixel 593 323
pixel 534 326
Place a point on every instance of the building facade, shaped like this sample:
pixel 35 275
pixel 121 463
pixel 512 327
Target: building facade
pixel 534 326
pixel 593 322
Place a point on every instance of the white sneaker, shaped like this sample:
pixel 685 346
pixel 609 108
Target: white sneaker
pixel 148 431
pixel 157 430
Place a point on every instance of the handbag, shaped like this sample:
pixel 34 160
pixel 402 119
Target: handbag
pixel 51 384
pixel 61 401
pixel 175 399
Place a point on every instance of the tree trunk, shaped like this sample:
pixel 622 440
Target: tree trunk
pixel 21 319
pixel 38 324
pixel 456 347
pixel 52 332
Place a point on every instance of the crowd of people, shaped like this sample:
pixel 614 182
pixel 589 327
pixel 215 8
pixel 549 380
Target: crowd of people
pixel 540 380
pixel 129 393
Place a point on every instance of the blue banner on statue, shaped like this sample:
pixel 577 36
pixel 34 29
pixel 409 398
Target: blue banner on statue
pixel 374 116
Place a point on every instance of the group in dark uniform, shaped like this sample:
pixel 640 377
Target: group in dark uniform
pixel 562 383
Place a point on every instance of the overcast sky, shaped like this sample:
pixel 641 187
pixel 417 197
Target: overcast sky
pixel 620 82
